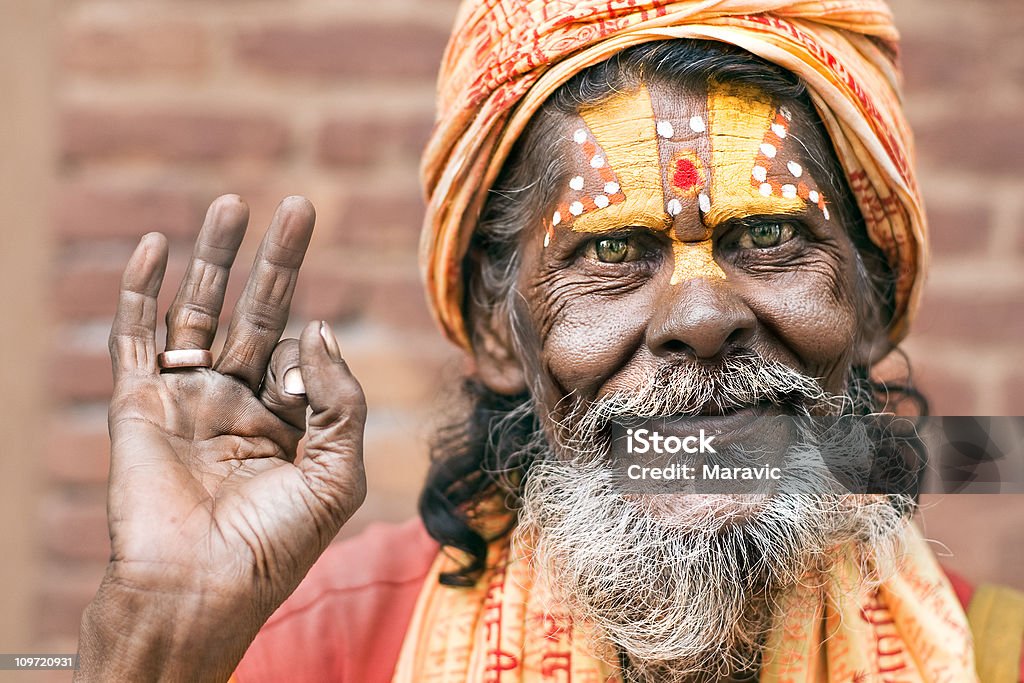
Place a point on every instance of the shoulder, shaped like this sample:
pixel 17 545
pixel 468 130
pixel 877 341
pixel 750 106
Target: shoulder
pixel 347 618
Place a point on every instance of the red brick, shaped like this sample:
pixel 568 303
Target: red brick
pixel 343 296
pixel 373 219
pixel 985 142
pixel 66 589
pixel 957 231
pixel 358 142
pixel 983 318
pixel 398 51
pixel 400 371
pixel 89 211
pixel 326 295
pixel 80 376
pixel 81 294
pixel 88 291
pixel 135 48
pixel 74 530
pixel 943 61
pixel 77 453
pixel 400 304
pixel 89 133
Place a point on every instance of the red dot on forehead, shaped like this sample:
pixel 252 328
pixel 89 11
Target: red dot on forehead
pixel 686 176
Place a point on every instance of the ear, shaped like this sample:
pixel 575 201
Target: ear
pixel 497 361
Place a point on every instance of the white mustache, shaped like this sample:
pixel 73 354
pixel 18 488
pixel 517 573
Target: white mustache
pixel 743 379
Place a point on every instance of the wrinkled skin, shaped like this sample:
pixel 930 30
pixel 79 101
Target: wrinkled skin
pixel 212 522
pixel 589 328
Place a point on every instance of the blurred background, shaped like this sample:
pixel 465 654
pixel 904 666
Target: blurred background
pixel 121 116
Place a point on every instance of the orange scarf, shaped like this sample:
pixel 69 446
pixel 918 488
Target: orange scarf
pixel 502 630
pixel 506 57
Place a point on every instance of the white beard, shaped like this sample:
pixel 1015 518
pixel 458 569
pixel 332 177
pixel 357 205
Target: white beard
pixel 684 586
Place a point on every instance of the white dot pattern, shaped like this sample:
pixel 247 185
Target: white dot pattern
pixel 705 202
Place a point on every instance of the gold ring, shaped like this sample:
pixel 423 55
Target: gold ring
pixel 184 358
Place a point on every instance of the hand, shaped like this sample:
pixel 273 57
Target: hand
pixel 211 518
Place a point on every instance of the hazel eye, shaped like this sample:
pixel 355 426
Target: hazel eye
pixel 615 250
pixel 767 235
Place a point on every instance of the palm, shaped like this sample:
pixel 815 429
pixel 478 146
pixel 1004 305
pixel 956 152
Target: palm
pixel 205 494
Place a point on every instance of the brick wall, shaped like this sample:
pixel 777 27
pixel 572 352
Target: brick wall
pixel 165 104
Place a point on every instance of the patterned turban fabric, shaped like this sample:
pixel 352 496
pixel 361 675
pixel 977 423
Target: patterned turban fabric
pixel 505 58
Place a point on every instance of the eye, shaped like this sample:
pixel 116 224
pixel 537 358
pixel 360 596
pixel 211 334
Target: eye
pixel 614 250
pixel 766 235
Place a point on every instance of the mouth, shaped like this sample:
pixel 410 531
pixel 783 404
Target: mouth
pixel 725 424
pixel 735 439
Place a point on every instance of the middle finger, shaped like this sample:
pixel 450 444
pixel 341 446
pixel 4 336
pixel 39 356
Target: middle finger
pixel 262 311
pixel 192 317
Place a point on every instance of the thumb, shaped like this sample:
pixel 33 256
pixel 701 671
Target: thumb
pixel 332 464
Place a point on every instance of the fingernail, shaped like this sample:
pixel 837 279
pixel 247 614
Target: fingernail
pixel 330 341
pixel 293 382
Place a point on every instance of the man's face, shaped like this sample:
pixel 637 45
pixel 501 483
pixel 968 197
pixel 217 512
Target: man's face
pixel 691 262
pixel 691 226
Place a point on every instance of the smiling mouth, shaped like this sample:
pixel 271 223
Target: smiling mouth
pixel 712 420
pixel 756 429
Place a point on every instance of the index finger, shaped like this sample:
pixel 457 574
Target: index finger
pixel 262 311
pixel 132 335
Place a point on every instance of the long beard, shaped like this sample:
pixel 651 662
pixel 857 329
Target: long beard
pixel 686 587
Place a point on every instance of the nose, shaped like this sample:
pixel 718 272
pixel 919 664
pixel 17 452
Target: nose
pixel 701 317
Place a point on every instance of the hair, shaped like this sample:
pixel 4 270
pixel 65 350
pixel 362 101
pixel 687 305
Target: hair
pixel 488 452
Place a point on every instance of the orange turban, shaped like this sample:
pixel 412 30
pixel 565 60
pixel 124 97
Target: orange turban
pixel 505 57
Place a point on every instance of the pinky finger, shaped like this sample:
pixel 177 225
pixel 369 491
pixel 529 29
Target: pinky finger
pixel 133 333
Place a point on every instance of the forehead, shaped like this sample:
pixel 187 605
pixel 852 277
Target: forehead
pixel 657 153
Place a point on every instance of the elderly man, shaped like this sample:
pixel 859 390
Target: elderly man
pixel 678 215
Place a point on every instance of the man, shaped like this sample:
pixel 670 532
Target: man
pixel 675 216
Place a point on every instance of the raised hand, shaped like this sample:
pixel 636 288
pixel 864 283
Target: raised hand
pixel 213 523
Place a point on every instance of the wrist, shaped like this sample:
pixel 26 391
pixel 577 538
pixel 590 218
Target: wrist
pixel 143 635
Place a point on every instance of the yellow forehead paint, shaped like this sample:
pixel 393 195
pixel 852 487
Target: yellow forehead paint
pixel 624 126
pixel 739 120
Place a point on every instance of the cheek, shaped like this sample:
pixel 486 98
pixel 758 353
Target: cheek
pixel 585 337
pixel 812 312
